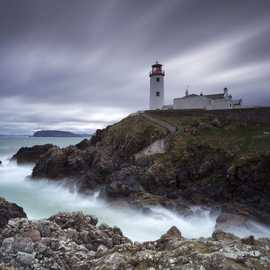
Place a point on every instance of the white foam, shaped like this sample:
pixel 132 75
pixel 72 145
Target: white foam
pixel 40 199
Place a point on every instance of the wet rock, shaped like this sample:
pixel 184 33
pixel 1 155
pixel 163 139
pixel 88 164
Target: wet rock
pixel 219 235
pixel 76 220
pixel 8 211
pixel 61 163
pixel 74 241
pixel 198 171
pixel 228 221
pixel 170 239
pixel 31 154
pixel 250 240
pixel 172 234
pixel 123 183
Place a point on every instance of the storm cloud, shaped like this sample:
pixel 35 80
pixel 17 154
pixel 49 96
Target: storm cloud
pixel 80 65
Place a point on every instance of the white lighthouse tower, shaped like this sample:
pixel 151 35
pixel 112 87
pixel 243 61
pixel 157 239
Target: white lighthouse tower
pixel 156 87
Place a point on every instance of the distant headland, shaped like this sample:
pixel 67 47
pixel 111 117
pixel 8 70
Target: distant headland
pixel 57 133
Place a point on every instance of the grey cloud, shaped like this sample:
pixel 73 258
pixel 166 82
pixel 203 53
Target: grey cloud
pixel 91 55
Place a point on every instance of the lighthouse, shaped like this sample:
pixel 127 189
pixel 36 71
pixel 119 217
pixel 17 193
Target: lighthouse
pixel 156 87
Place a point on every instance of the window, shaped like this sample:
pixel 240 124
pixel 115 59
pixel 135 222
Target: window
pixel 157 94
pixel 157 79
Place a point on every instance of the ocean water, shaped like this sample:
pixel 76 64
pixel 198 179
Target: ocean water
pixel 43 198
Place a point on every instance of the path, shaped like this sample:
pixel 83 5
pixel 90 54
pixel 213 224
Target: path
pixel 158 146
pixel 172 129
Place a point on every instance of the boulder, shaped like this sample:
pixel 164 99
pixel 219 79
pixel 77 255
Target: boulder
pixel 170 239
pixel 33 234
pixel 172 234
pixel 76 220
pixel 228 221
pixel 31 154
pixel 250 240
pixel 8 211
pixel 63 163
pixel 219 235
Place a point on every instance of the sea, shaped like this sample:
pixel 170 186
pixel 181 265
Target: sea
pixel 42 198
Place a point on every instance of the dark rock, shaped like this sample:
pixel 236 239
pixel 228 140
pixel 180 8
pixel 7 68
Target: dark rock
pixel 194 168
pixel 76 220
pixel 8 211
pixel 73 241
pixel 250 240
pixel 170 239
pixel 123 183
pixel 172 234
pixel 219 235
pixel 98 136
pixel 123 188
pixel 143 200
pixel 33 234
pixel 84 144
pixel 248 181
pixel 31 154
pixel 60 163
pixel 226 221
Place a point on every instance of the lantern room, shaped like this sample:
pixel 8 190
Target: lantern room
pixel 157 70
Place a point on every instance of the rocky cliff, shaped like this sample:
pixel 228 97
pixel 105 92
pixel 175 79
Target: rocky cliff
pixel 218 159
pixel 31 154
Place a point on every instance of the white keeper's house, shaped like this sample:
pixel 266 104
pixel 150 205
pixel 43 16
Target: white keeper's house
pixel 218 101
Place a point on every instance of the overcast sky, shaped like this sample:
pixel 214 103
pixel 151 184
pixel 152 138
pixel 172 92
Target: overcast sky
pixel 80 65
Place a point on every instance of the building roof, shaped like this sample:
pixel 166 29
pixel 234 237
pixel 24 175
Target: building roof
pixel 215 96
pixel 212 96
pixel 192 95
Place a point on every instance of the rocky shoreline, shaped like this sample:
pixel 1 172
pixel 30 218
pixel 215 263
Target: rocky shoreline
pixel 195 169
pixel 215 162
pixel 76 241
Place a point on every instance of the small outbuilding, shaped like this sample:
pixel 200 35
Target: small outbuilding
pixel 207 102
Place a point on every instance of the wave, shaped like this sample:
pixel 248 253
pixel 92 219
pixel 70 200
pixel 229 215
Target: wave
pixel 41 199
